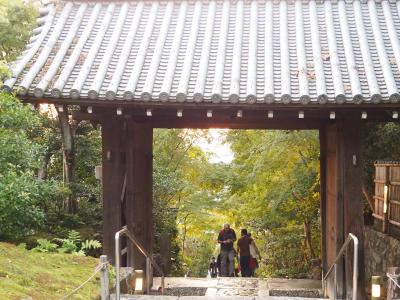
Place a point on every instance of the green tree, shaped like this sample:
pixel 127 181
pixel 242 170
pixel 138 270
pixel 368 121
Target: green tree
pixel 380 142
pixel 273 190
pixel 17 18
pixel 21 192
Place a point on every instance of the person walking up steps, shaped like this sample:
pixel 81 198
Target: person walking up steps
pixel 243 249
pixel 226 238
pixel 213 270
pixel 254 256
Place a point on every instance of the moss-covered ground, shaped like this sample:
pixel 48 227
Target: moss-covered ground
pixel 25 274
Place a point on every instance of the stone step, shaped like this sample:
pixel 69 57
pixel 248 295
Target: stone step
pixel 150 297
pixel 238 288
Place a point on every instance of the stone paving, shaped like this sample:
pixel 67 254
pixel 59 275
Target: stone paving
pixel 234 287
pixel 147 297
pixel 239 288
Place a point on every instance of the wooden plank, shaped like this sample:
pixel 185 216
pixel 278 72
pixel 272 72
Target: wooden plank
pixel 350 192
pixel 333 209
pixel 386 203
pixel 379 181
pixel 323 204
pixel 139 190
pixel 112 172
pixel 394 223
pixel 377 216
pixel 383 110
pixel 217 123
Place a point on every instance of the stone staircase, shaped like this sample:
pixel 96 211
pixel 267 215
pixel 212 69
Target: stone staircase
pixel 237 288
pixel 150 297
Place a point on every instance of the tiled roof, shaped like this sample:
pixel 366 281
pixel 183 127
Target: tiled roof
pixel 214 51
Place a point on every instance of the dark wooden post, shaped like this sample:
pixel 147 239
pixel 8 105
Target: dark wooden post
pixel 139 207
pixel 341 201
pixel 112 178
pixel 350 186
pixel 322 165
pixel 331 206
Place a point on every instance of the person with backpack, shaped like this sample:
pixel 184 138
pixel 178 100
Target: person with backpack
pixel 226 238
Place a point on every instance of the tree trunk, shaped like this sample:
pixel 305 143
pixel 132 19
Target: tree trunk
pixel 307 232
pixel 68 135
pixel 184 234
pixel 43 171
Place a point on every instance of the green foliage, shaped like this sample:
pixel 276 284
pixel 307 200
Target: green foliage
pixel 71 244
pixel 381 142
pixel 273 191
pixel 90 244
pixel 23 197
pixel 20 197
pixel 45 245
pixel 44 275
pixel 17 18
pixel 284 252
pixel 184 194
pixel 271 188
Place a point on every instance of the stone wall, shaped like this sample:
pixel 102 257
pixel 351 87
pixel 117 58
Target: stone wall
pixel 381 252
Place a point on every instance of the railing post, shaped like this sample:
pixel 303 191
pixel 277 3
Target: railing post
pixel 117 266
pixel 162 284
pixel 148 275
pixel 355 266
pixel 149 262
pixel 335 281
pixel 104 281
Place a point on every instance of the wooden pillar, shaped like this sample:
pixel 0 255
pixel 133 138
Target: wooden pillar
pixel 139 206
pixel 113 169
pixel 323 200
pixel 331 205
pixel 350 189
pixel 341 201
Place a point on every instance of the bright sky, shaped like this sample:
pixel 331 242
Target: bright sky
pixel 219 151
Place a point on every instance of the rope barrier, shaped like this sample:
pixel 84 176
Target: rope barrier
pixel 98 269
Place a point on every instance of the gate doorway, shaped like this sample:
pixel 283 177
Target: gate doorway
pixel 266 181
pixel 127 167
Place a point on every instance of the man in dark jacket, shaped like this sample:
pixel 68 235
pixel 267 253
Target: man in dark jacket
pixel 226 238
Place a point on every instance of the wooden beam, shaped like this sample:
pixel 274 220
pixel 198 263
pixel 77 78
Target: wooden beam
pixel 350 196
pixel 113 174
pixel 209 105
pixel 323 196
pixel 139 208
pixel 332 207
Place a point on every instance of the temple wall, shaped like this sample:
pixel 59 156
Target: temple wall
pixel 381 252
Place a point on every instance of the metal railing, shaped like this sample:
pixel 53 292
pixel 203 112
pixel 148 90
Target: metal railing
pixel 393 278
pixel 149 262
pixel 350 238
